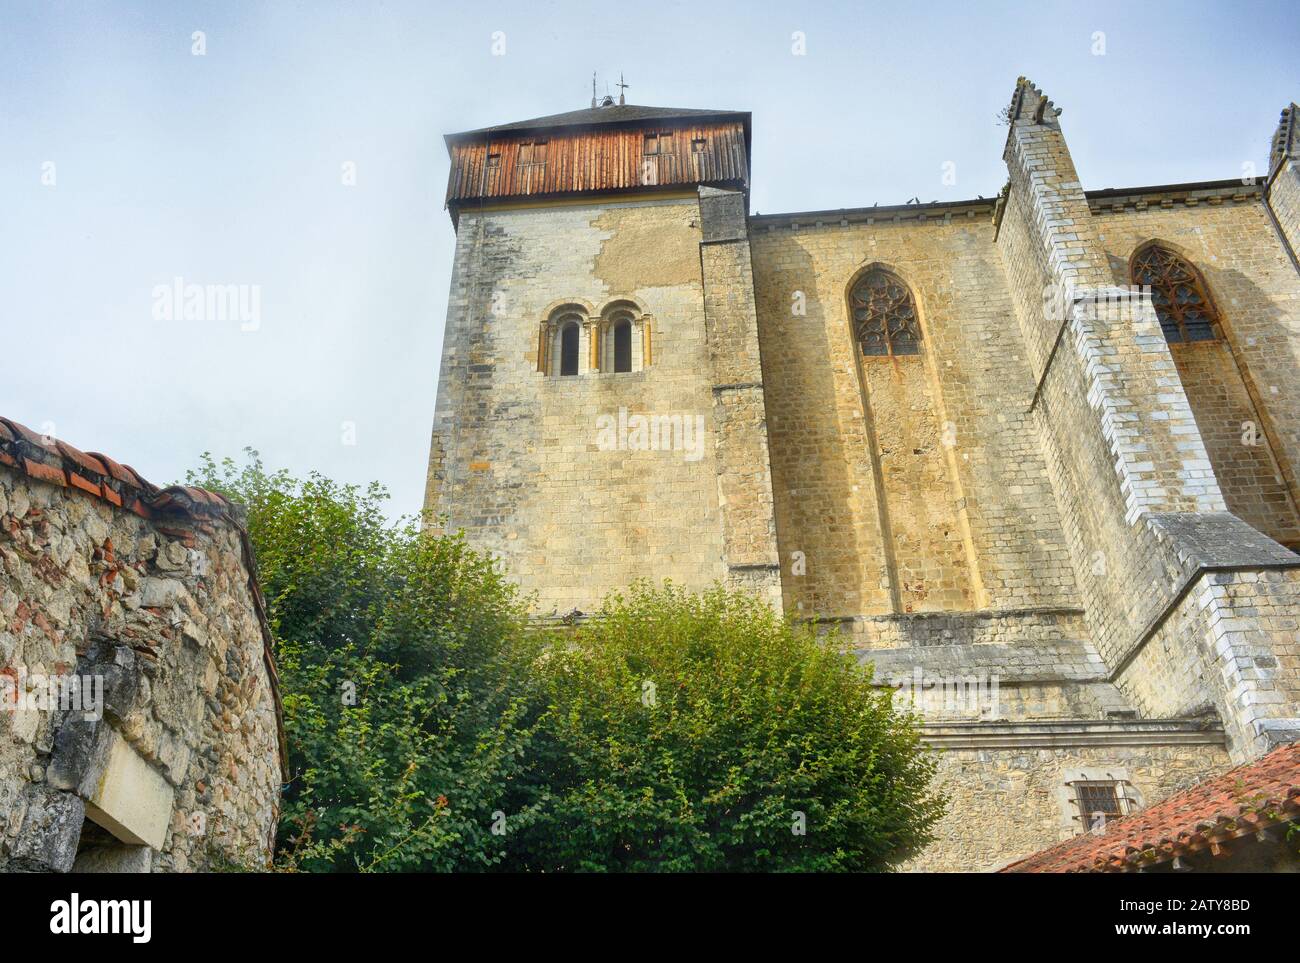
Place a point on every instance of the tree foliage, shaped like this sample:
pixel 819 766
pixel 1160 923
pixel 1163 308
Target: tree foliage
pixel 430 729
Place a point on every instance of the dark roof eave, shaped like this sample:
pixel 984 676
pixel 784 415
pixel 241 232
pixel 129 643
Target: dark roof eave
pixel 594 122
pixel 870 211
pixel 1175 188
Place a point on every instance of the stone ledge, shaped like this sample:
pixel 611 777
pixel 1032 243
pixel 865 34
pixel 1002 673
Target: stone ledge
pixel 1044 662
pixel 890 631
pixel 1072 733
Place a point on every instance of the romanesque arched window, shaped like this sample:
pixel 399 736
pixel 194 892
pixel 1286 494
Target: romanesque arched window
pixel 623 345
pixel 1182 304
pixel 624 338
pixel 570 332
pixel 563 341
pixel 884 315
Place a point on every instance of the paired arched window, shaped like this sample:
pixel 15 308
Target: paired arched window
pixel 573 342
pixel 1178 293
pixel 884 315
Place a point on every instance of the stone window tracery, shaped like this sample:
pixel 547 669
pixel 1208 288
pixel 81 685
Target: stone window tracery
pixel 884 316
pixel 1182 304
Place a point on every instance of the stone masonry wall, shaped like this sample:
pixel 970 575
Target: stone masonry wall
pixel 1008 803
pixel 1284 170
pixel 181 769
pixel 988 487
pixel 518 460
pixel 739 412
pixel 1142 509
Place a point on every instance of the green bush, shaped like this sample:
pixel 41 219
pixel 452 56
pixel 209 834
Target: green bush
pixel 405 673
pixel 704 732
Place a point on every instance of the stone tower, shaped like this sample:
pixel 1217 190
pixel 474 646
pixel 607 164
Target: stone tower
pixel 600 406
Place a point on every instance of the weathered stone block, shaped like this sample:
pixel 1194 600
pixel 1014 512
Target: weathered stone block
pixel 131 800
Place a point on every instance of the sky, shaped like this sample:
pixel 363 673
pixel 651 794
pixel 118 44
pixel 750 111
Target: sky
pixel 294 150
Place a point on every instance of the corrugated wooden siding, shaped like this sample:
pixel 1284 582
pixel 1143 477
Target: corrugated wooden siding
pixel 598 160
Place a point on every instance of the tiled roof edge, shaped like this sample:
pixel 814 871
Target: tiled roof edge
pixel 58 463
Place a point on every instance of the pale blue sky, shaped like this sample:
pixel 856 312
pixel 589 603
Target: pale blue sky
pixel 225 169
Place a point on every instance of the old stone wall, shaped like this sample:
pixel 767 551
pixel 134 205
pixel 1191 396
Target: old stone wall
pixel 1283 188
pixel 1005 803
pixel 1242 389
pixel 1143 511
pixel 143 602
pixel 739 412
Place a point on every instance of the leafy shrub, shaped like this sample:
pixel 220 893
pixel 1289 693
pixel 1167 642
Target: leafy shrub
pixel 704 732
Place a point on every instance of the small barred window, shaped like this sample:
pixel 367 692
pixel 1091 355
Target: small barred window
pixel 1178 294
pixel 1099 802
pixel 884 316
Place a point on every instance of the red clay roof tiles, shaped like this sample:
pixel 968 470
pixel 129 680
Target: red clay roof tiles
pixel 59 463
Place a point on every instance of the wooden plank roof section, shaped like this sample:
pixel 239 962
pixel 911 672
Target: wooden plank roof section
pixel 612 149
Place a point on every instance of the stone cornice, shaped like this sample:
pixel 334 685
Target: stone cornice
pixel 936 212
pixel 1072 733
pixel 1169 196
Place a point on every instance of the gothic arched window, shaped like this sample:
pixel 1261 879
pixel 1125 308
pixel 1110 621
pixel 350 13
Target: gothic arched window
pixel 1178 294
pixel 884 315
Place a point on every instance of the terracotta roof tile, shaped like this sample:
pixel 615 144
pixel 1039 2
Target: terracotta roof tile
pixel 114 469
pixel 1242 801
pixel 87 462
pixel 24 433
pixel 135 478
pixel 46 473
